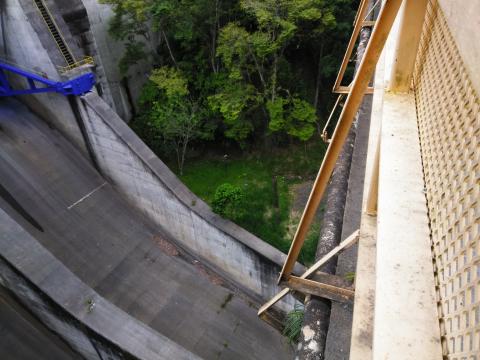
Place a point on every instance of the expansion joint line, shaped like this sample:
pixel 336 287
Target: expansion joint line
pixel 87 195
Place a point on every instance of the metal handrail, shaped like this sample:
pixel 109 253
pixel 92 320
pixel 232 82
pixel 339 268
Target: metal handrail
pixel 87 60
pixel 324 134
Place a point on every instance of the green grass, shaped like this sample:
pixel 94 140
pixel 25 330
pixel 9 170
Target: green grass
pixel 255 179
pixel 254 174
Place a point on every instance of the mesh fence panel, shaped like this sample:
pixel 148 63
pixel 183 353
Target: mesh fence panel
pixel 449 126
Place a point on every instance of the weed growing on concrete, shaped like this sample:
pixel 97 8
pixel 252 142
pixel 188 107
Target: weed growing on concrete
pixel 349 276
pixel 293 323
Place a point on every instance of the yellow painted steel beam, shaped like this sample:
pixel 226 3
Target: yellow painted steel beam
pixel 324 134
pixel 359 86
pixel 87 60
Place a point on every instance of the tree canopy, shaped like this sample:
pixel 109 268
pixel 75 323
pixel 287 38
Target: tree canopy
pixel 243 70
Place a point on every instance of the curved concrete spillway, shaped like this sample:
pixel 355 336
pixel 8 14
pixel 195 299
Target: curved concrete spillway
pixel 75 214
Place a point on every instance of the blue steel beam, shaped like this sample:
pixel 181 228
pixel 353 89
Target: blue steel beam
pixel 39 84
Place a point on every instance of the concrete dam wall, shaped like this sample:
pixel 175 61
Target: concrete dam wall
pixel 106 230
pixel 147 183
pixel 79 217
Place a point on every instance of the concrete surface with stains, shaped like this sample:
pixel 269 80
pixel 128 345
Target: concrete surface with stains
pixel 53 191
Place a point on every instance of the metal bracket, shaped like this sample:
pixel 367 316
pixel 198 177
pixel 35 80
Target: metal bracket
pixel 368 23
pixel 347 89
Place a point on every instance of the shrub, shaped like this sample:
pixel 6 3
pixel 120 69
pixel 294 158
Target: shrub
pixel 228 201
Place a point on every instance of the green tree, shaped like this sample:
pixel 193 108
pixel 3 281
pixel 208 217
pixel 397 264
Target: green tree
pixel 174 117
pixel 294 116
pixel 255 67
pixel 325 42
pixel 190 27
pixel 130 25
pixel 134 52
pixel 235 103
pixel 187 29
pixel 253 60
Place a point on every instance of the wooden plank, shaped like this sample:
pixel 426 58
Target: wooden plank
pixel 345 244
pixel 333 280
pixel 355 97
pixel 315 288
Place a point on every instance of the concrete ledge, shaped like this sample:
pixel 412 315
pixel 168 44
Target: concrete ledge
pixel 406 321
pixel 60 285
pixel 395 314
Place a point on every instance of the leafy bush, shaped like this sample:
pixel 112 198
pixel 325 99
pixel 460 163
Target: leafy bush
pixel 228 201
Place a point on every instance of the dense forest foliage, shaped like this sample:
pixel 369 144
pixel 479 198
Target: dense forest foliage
pixel 249 71
pixel 250 75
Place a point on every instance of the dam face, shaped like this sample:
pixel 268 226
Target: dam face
pixel 103 252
